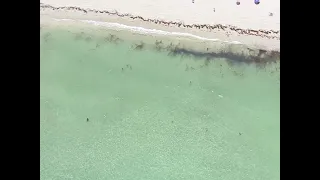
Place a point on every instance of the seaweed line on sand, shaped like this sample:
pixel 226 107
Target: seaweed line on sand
pixel 269 34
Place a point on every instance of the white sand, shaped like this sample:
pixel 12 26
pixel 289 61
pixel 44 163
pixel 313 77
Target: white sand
pixel 245 16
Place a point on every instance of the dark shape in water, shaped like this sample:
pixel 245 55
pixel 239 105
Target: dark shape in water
pixel 87 119
pixel 46 36
pixel 129 66
pixel 112 39
pixel 139 46
pixel 170 47
pixel 88 39
pixel 207 61
pixel 79 36
pixel 237 73
pixel 158 45
pixel 263 58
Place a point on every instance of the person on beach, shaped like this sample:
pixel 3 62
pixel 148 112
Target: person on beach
pixel 238 2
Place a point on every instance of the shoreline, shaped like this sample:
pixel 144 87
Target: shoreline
pixel 260 39
pixel 215 43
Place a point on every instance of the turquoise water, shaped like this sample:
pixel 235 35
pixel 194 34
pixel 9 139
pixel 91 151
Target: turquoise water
pixel 153 116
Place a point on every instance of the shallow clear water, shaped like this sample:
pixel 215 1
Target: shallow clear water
pixel 153 116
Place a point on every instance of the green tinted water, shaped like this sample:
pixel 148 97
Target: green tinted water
pixel 152 116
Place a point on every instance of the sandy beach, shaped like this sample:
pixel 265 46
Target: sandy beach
pixel 247 23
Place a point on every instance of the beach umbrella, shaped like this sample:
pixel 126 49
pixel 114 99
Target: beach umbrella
pixel 257 2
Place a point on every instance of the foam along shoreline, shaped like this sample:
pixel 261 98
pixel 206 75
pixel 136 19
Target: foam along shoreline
pixel 143 30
